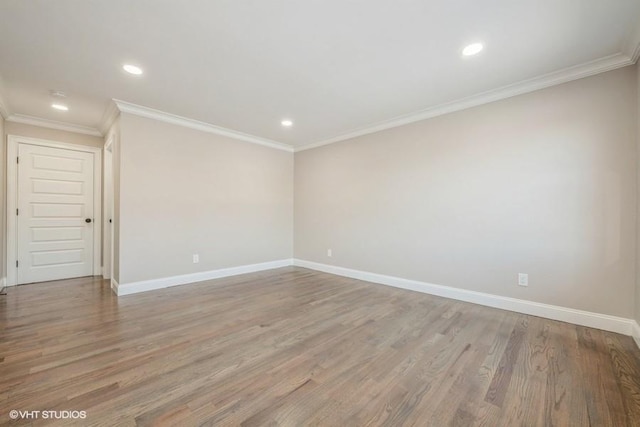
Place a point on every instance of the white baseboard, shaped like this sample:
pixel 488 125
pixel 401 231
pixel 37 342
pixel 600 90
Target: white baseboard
pixel 165 282
pixel 564 314
pixel 3 282
pixel 114 286
pixel 635 333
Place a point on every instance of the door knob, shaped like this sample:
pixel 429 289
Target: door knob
pixel 88 220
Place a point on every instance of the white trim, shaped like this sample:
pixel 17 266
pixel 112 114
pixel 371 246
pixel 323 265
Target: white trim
pixel 3 282
pixel 631 46
pixel 53 124
pixel 635 333
pixel 108 146
pixel 11 230
pixel 552 79
pixel 114 286
pixel 186 279
pixel 107 202
pixel 564 314
pixel 12 180
pixel 150 113
pixel 634 53
pixel 110 115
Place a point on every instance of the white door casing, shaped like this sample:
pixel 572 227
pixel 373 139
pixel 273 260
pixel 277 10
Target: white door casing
pixel 51 193
pixel 107 208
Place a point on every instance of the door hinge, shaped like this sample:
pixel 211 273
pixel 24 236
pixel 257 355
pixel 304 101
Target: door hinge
pixel 17 211
pixel 17 159
pixel 16 263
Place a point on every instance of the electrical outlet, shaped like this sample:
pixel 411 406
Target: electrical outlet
pixel 196 258
pixel 329 253
pixel 523 279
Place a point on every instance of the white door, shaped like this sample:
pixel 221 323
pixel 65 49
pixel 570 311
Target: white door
pixel 55 213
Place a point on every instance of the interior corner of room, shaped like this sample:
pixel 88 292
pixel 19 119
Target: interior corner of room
pixel 517 195
pixel 542 183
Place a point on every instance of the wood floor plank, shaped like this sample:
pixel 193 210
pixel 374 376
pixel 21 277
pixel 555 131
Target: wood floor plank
pixel 604 400
pixel 291 347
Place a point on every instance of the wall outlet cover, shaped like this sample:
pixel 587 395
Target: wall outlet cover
pixel 523 279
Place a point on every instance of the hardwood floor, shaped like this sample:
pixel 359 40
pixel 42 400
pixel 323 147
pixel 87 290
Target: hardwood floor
pixel 295 347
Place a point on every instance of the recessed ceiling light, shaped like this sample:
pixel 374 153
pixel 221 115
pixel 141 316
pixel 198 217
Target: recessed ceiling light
pixel 287 123
pixel 132 69
pixel 472 49
pixel 60 107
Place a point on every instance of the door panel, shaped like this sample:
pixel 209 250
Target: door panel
pixel 48 234
pixel 53 211
pixel 57 163
pixel 55 197
pixel 47 258
pixel 43 186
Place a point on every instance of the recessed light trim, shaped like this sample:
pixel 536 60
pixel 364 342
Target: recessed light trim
pixel 60 107
pixel 132 69
pixel 472 49
pixel 286 123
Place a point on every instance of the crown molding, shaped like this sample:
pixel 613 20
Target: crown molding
pixel 552 79
pixel 110 115
pixel 631 46
pixel 150 113
pixel 635 54
pixel 52 124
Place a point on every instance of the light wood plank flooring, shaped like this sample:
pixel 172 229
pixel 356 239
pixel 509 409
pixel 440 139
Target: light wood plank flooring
pixel 295 347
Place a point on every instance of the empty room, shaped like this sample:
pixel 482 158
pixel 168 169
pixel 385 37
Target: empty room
pixel 320 213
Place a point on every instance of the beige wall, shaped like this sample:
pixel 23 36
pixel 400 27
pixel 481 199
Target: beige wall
pixel 12 128
pixel 3 173
pixel 545 183
pixel 637 295
pixel 184 191
pixel 542 183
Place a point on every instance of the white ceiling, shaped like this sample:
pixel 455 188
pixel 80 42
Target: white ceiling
pixel 334 67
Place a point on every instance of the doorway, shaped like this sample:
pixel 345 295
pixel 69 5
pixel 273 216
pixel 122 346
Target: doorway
pixel 53 210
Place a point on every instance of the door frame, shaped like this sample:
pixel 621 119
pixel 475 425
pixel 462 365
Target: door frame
pixel 12 199
pixel 107 208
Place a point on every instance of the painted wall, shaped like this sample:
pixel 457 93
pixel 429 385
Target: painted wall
pixel 185 192
pixel 3 174
pixel 543 183
pixel 637 295
pixel 12 128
